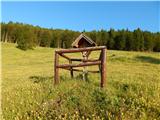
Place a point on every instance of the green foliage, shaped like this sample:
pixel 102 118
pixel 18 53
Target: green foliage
pixel 45 39
pixel 157 43
pixel 129 41
pixel 136 40
pixel 120 41
pixel 25 39
pixel 148 43
pixel 93 35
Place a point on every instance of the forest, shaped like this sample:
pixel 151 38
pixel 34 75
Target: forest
pixel 27 36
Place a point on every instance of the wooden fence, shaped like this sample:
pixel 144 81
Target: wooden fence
pixel 101 62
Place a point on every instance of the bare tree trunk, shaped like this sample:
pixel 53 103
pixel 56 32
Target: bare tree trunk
pixel 58 43
pixel 6 37
pixel 2 37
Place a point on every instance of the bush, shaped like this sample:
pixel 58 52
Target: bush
pixel 26 39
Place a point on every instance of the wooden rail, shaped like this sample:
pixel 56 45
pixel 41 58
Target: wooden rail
pixel 74 50
pixel 79 65
pixel 81 70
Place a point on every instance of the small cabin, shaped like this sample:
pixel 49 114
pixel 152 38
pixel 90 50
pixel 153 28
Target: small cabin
pixel 83 41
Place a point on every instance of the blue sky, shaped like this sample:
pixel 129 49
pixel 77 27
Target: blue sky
pixel 85 15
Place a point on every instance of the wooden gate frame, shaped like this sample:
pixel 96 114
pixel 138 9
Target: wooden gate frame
pixel 101 62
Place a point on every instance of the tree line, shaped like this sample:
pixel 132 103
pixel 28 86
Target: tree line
pixel 28 37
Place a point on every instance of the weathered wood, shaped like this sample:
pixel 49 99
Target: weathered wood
pixel 83 41
pixel 77 70
pixel 83 60
pixel 91 60
pixel 100 58
pixel 56 69
pixel 61 54
pixel 101 62
pixel 76 59
pixel 73 50
pixel 71 69
pixel 87 70
pixel 103 68
pixel 79 65
pixel 88 53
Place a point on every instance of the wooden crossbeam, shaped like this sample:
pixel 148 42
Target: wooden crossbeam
pixel 79 65
pixel 76 59
pixel 88 60
pixel 61 54
pixel 77 70
pixel 74 50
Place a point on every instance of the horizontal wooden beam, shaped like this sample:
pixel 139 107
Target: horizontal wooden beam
pixel 73 50
pixel 87 71
pixel 79 65
pixel 76 59
pixel 77 70
pixel 87 60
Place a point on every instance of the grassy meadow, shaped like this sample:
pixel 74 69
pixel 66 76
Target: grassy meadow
pixel 132 88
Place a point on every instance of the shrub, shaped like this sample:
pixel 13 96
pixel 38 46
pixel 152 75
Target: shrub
pixel 26 39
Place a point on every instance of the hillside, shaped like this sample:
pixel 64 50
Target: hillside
pixel 132 89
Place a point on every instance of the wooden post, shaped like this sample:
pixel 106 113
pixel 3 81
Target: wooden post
pixel 85 73
pixel 71 69
pixel 103 67
pixel 100 58
pixel 56 69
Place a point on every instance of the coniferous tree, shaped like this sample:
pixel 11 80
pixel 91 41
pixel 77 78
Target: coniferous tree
pixel 28 36
pixel 148 43
pixel 157 42
pixel 26 39
pixel 45 39
pixel 111 42
pixel 138 40
pixel 129 42
pixel 120 41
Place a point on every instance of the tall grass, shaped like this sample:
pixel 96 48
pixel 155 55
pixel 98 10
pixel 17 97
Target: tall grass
pixel 132 89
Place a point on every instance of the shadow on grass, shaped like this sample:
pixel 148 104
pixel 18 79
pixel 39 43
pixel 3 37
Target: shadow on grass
pixel 149 59
pixel 38 79
pixel 46 80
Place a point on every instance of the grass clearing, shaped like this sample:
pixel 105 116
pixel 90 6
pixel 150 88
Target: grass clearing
pixel 132 88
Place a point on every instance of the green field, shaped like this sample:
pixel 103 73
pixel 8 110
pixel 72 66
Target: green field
pixel 132 89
